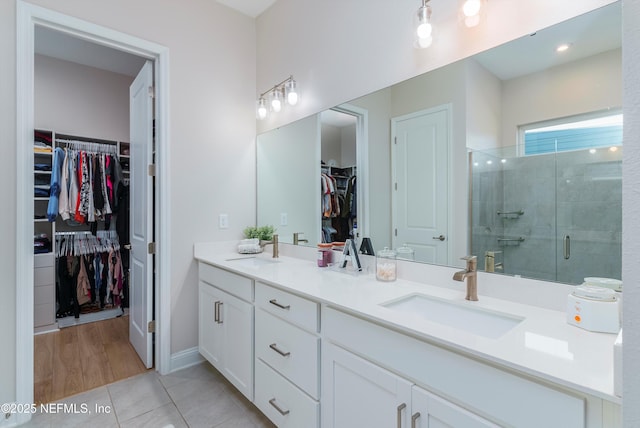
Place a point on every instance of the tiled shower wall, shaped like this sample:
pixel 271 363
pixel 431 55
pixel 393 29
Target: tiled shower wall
pixel 574 194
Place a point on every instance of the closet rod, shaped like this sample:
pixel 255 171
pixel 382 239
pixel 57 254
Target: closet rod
pixel 89 146
pixel 84 232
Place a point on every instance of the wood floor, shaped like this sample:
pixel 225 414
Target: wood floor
pixel 83 357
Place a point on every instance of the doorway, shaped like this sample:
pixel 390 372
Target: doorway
pixel 30 16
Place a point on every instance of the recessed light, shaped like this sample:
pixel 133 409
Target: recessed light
pixel 613 149
pixel 563 47
pixel 592 151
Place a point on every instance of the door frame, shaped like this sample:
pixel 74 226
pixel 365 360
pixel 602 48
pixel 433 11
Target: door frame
pixel 362 163
pixel 28 16
pixel 448 108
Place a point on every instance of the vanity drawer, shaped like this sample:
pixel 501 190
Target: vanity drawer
pixel 283 403
pixel 295 309
pixel 290 350
pixel 236 285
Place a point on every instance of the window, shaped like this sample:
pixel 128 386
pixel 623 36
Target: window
pixel 573 133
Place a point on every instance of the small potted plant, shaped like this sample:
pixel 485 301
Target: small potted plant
pixel 263 233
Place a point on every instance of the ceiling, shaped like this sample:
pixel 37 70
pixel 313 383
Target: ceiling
pixel 63 46
pixel 589 34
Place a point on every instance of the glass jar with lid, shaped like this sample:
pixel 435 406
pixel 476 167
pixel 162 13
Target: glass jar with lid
pixel 405 253
pixel 324 254
pixel 386 265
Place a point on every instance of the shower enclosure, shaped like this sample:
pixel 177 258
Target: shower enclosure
pixel 556 217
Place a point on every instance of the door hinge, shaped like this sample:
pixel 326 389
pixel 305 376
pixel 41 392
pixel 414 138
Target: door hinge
pixel 152 170
pixel 151 248
pixel 395 232
pixel 395 140
pixel 152 91
pixel 151 326
pixel 396 186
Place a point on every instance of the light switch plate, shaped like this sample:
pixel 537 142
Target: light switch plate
pixel 284 219
pixel 223 221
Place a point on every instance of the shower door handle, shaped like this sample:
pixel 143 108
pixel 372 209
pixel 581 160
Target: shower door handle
pixel 566 246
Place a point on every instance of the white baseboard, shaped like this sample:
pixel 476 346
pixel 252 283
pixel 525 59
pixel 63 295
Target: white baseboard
pixel 183 359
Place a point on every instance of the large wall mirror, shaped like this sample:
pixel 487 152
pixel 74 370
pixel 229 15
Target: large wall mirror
pixel 513 155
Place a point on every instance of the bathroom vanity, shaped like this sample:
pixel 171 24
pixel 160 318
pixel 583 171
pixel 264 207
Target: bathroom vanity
pixel 317 347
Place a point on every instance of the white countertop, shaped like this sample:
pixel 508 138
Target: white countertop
pixel 543 345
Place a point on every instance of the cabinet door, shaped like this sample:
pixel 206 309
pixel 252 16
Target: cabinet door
pixel 236 318
pixel 429 410
pixel 210 331
pixel 357 393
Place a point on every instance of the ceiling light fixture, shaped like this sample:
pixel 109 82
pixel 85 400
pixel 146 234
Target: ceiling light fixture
pixel 284 92
pixel 471 12
pixel 423 27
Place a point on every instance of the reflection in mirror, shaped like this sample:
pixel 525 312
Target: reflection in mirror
pixel 338 176
pixel 491 101
pixel 554 212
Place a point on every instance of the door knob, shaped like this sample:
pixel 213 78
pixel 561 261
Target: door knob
pixel 439 238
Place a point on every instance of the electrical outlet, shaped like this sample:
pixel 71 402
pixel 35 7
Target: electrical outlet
pixel 284 220
pixel 223 221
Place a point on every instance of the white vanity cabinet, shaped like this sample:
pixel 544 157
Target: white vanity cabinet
pixel 287 352
pixel 225 327
pixel 360 393
pixel 374 366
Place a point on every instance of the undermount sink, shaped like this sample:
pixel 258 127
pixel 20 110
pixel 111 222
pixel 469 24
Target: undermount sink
pixel 252 261
pixel 479 321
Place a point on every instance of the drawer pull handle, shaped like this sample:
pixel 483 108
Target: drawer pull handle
pixel 400 409
pixel 275 348
pixel 275 303
pixel 275 406
pixel 219 313
pixel 216 313
pixel 414 418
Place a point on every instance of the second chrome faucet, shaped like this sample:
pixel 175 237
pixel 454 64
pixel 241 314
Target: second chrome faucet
pixel 470 274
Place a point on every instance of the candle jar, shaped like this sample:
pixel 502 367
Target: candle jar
pixel 324 254
pixel 386 265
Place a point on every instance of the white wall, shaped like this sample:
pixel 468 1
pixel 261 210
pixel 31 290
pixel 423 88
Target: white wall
pixel 75 99
pixel 562 91
pixel 331 144
pixel 631 208
pixel 484 107
pixel 212 139
pixel 348 145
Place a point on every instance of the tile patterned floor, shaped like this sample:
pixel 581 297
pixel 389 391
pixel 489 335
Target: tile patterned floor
pixel 194 397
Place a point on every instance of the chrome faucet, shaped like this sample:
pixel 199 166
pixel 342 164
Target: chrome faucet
pixel 296 238
pixel 275 246
pixel 471 275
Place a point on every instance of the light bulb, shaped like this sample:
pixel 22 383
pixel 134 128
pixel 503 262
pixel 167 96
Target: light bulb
pixel 291 91
pixel 471 8
pixel 424 30
pixel 276 101
pixel 262 109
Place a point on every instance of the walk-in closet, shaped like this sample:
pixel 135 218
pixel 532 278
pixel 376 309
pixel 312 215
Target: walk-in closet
pixel 81 222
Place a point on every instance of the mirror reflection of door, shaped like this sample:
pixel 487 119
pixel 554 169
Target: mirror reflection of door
pixel 421 168
pixel 338 176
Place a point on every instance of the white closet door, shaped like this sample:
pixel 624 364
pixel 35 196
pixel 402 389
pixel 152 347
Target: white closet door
pixel 141 222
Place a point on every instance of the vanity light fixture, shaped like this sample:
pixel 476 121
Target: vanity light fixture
pixel 471 12
pixel 273 98
pixel 423 27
